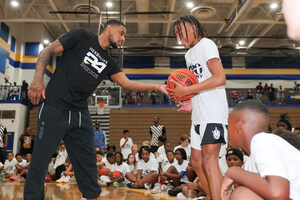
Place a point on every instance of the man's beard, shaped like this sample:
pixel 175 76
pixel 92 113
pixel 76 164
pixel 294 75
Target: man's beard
pixel 114 45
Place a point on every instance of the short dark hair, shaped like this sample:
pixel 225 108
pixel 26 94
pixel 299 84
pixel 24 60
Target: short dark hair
pixel 114 22
pixel 183 153
pixel 125 131
pixel 199 32
pixel 162 138
pixel 110 155
pixel 170 151
pixel 18 154
pixel 252 105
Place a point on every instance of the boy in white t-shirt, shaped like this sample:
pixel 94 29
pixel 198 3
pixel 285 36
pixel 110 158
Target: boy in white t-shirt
pixel 272 169
pixel 209 106
pixel 10 165
pixel 126 144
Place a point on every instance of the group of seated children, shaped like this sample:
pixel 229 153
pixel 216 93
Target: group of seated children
pixel 168 170
pixel 15 168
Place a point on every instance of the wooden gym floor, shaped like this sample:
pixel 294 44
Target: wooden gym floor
pixel 10 190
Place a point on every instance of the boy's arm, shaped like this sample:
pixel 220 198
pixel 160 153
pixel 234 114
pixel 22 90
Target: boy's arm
pixel 271 187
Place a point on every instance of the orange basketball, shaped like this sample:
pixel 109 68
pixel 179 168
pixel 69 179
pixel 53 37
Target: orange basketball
pixel 115 174
pixel 186 78
pixel 104 172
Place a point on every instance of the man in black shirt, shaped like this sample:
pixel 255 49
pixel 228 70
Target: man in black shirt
pixel 64 114
pixel 259 90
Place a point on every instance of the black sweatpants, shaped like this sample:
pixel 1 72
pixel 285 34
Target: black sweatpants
pixel 76 129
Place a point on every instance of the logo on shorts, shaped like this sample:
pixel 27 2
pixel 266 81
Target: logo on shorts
pixel 216 133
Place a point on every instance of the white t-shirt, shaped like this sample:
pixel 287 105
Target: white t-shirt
pixel 273 156
pixel 181 168
pixel 187 150
pixel 1 165
pixel 160 151
pixel 127 148
pixel 209 106
pixel 108 165
pixel 10 166
pixel 132 168
pixel 146 167
pixel 123 168
pixel 165 164
pixel 22 163
pixel 61 158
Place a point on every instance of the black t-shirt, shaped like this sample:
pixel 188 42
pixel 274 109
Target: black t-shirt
pixel 81 68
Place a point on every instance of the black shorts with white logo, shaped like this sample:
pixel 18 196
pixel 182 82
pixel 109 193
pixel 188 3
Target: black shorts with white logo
pixel 210 133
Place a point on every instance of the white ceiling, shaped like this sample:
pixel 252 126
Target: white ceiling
pixel 226 21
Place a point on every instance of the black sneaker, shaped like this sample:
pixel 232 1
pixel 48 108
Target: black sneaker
pixel 173 192
pixel 130 185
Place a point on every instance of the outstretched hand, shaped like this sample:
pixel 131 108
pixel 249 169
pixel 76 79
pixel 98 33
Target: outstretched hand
pixel 178 92
pixel 185 106
pixel 36 91
pixel 163 89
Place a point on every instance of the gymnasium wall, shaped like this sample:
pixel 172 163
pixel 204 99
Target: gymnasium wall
pixel 20 45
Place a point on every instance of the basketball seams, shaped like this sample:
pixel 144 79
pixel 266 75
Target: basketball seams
pixel 191 78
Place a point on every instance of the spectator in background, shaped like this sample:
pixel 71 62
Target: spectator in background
pixel 14 94
pixel 249 95
pixel 10 165
pixel 61 158
pixel 111 149
pixel 24 91
pixel 259 91
pixel 51 170
pixel 266 87
pixel 185 144
pixel 280 94
pixel 296 86
pixel 156 130
pixel 271 91
pixel 126 144
pixel 6 88
pixel 284 122
pixel 27 142
pixel 161 148
pixel 3 142
pixel 99 136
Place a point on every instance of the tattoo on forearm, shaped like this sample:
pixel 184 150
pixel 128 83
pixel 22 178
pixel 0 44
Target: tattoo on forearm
pixel 44 58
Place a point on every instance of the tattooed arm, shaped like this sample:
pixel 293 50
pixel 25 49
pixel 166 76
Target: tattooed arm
pixel 37 88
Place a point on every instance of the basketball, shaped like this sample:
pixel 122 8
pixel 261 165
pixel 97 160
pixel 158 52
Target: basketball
pixel 115 174
pixel 105 172
pixel 186 78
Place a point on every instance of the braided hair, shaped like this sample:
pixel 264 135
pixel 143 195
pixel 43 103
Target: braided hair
pixel 284 119
pixel 199 32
